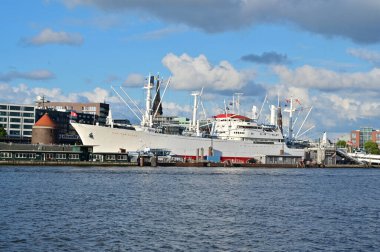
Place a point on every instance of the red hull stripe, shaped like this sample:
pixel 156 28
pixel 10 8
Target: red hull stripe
pixel 222 159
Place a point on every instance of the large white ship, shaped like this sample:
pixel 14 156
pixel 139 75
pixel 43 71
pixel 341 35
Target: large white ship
pixel 230 137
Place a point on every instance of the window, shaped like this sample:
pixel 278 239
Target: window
pixel 14 113
pixel 61 156
pixel 3 113
pixel 49 156
pixel 14 108
pixel 21 155
pixel 73 156
pixel 15 120
pixel 110 157
pixel 28 126
pixel 3 106
pixel 28 114
pixel 32 155
pixel 122 157
pixel 27 133
pixel 28 108
pixel 14 132
pixel 28 120
pixel 15 126
pixel 5 155
pixel 3 119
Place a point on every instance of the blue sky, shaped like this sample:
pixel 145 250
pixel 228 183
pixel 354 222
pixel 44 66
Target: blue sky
pixel 325 53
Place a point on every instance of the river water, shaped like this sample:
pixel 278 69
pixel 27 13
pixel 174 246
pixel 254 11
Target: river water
pixel 189 209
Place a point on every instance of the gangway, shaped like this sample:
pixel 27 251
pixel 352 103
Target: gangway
pixel 365 158
pixel 342 153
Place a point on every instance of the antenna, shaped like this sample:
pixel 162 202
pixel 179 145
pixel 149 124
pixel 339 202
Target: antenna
pixel 238 102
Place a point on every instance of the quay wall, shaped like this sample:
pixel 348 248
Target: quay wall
pixel 176 164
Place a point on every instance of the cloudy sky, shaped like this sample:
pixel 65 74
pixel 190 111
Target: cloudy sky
pixel 324 53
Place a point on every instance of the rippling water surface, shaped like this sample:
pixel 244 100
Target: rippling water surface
pixel 182 209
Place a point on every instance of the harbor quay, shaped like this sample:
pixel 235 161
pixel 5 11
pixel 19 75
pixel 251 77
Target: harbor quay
pixel 80 155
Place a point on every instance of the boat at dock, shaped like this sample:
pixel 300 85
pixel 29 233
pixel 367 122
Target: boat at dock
pixel 226 137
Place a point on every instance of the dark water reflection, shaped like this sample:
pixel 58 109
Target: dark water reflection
pixel 182 209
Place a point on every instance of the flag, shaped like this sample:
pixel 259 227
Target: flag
pixel 73 114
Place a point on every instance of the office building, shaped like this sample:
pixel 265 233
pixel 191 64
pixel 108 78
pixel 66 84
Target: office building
pixel 17 119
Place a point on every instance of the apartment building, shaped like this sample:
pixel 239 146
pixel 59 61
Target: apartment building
pixel 363 135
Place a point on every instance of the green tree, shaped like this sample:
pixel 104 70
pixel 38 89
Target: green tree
pixel 3 132
pixel 341 144
pixel 371 148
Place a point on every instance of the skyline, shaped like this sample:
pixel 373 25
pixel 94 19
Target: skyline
pixel 324 53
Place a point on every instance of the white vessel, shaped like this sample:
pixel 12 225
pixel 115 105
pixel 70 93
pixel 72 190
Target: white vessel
pixel 231 137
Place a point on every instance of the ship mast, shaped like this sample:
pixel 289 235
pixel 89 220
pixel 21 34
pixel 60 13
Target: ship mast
pixel 193 125
pixel 148 119
pixel 290 110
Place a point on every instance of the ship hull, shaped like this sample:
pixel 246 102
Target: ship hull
pixel 106 139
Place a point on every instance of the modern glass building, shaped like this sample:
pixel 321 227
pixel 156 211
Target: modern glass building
pixel 17 119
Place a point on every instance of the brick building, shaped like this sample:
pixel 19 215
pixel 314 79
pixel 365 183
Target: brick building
pixel 365 134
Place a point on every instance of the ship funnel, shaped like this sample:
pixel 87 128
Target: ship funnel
pixel 279 119
pixel 109 119
pixel 254 113
pixel 273 115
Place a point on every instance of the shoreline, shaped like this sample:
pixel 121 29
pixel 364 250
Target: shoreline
pixel 179 164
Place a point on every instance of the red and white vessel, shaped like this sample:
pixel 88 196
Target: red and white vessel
pixel 231 137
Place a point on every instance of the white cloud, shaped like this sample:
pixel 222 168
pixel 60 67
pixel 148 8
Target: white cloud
pixel 194 73
pixel 99 95
pixel 32 75
pixel 24 94
pixel 350 107
pixel 324 79
pixel 172 108
pixel 135 80
pixel 367 55
pixel 48 36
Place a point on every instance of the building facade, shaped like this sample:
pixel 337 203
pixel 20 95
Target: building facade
pixel 17 119
pixel 365 134
pixel 99 110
